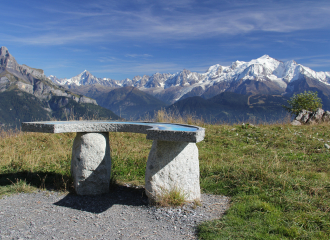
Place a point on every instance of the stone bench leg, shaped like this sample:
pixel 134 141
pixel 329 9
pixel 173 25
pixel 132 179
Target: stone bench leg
pixel 173 165
pixel 91 163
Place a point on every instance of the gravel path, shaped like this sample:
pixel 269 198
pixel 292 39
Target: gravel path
pixel 122 214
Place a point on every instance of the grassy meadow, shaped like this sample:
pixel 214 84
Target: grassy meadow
pixel 276 175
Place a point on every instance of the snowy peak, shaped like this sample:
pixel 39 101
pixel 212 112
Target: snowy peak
pixel 270 71
pixel 158 80
pixel 265 57
pixel 84 78
pixel 264 68
pixel 183 78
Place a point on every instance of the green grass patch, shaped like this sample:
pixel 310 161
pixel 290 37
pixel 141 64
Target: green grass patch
pixel 276 175
pixel 278 178
pixel 173 197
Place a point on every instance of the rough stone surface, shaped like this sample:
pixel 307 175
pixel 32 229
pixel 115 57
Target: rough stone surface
pixel 319 114
pixel 316 117
pixel 91 163
pixel 87 100
pixel 302 115
pixel 178 136
pixel 295 123
pixel 307 117
pixel 154 131
pixel 326 116
pixel 173 165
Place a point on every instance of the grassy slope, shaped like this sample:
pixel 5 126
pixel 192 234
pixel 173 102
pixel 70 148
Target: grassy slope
pixel 277 175
pixel 233 107
pixel 17 107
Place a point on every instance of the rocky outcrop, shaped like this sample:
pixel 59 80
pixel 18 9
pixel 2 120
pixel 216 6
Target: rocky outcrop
pixel 87 100
pixel 308 117
pixel 31 80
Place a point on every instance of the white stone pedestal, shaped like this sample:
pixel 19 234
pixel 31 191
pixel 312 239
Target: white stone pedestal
pixel 173 165
pixel 91 163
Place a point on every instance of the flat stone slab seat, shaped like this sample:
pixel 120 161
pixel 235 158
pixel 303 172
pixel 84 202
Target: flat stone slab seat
pixel 172 164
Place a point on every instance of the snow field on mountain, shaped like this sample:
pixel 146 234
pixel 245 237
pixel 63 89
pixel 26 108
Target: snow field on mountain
pixel 264 68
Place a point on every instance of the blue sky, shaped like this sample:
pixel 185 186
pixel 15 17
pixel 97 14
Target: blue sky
pixel 121 39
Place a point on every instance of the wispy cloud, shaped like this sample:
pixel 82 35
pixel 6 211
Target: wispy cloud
pixel 309 57
pixel 312 61
pixel 318 63
pixel 107 59
pixel 125 38
pixel 159 21
pixel 139 68
pixel 54 38
pixel 138 55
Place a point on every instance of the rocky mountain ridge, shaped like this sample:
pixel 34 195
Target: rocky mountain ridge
pixel 31 80
pixel 264 75
pixel 27 94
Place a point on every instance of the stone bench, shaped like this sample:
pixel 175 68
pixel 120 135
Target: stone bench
pixel 172 163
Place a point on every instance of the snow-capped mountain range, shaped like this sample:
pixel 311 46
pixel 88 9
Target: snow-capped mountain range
pixel 264 74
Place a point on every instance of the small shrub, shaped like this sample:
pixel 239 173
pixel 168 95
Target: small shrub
pixel 307 100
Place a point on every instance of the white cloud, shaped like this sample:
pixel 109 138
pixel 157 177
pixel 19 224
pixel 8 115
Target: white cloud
pixel 166 21
pixel 139 68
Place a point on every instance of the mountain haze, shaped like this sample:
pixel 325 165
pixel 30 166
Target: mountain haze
pixel 232 107
pixel 129 102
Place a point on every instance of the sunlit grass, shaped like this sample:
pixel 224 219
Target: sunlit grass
pixel 170 197
pixel 278 178
pixel 276 175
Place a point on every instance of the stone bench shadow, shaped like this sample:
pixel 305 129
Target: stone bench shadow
pixel 41 179
pixel 121 195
